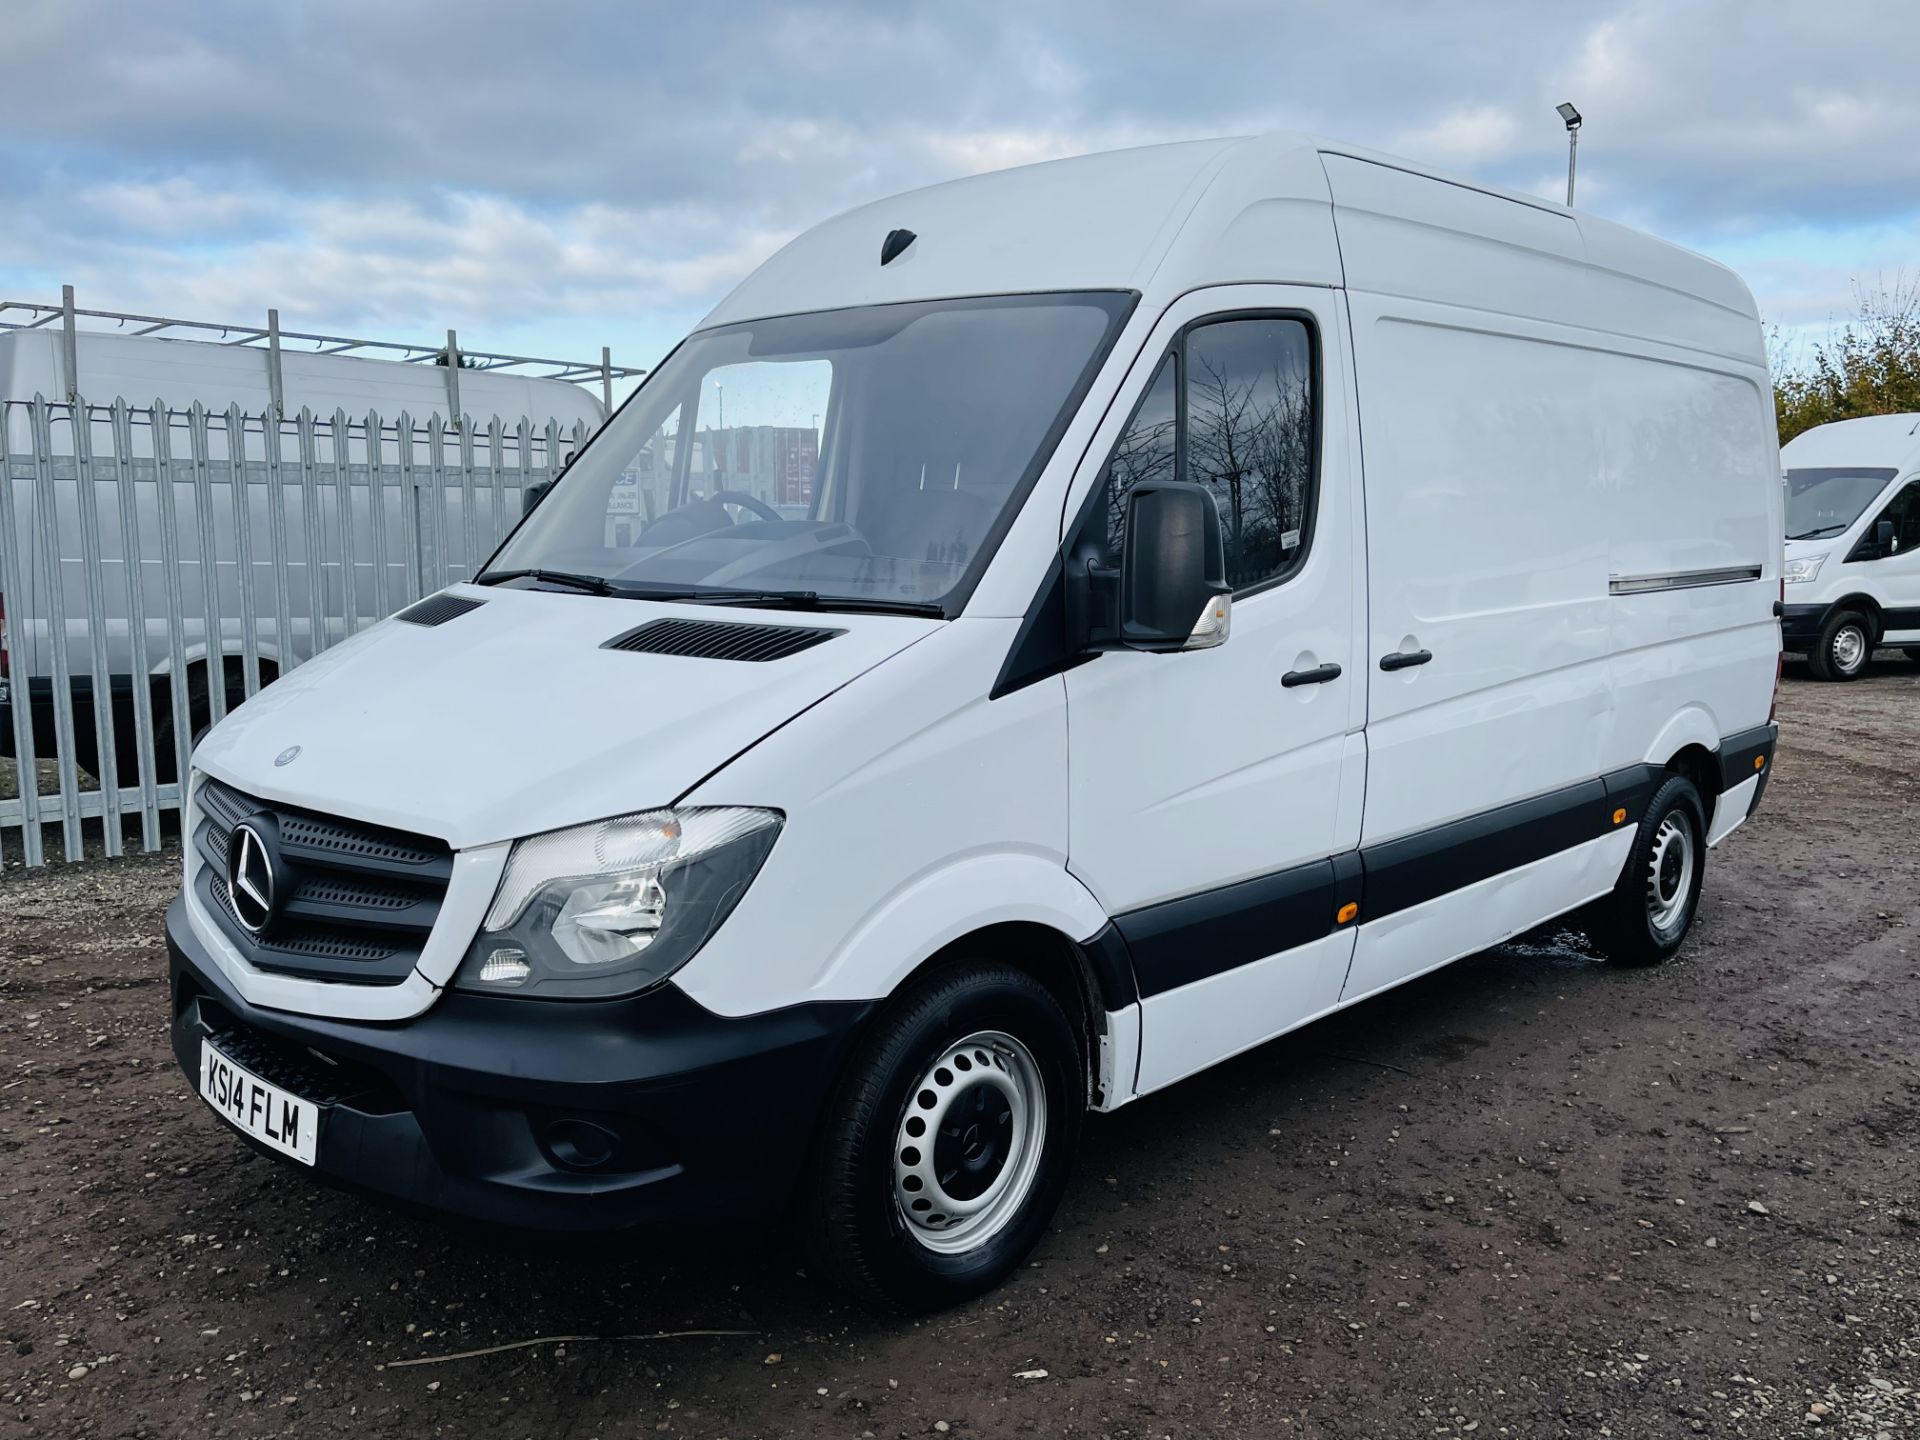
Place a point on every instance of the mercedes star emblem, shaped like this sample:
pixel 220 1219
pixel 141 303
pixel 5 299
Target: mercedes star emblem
pixel 250 878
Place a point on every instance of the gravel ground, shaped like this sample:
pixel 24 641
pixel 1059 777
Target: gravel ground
pixel 1527 1196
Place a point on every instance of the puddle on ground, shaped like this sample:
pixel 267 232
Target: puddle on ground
pixel 1556 944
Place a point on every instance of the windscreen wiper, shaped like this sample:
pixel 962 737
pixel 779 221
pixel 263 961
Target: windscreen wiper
pixel 591 584
pixel 814 600
pixel 1817 532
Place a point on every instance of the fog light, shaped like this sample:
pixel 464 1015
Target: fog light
pixel 506 966
pixel 581 1144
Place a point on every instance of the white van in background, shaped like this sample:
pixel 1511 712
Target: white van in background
pixel 1238 577
pixel 248 621
pixel 1853 542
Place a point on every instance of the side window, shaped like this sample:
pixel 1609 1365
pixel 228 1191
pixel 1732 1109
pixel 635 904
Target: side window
pixel 1904 512
pixel 1231 408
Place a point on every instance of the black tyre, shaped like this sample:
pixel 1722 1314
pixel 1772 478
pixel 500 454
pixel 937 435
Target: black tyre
pixel 1912 652
pixel 1652 907
pixel 947 1144
pixel 1844 648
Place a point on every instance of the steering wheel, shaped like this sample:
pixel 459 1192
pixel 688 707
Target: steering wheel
pixel 747 502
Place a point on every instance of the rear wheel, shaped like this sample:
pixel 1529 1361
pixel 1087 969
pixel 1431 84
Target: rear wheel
pixel 1845 646
pixel 947 1146
pixel 1652 906
pixel 1912 652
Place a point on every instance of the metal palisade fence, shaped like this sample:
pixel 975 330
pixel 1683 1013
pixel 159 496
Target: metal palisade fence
pixel 159 566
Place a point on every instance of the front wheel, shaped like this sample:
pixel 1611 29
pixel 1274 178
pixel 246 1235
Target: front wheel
pixel 1912 652
pixel 947 1146
pixel 1652 906
pixel 1844 648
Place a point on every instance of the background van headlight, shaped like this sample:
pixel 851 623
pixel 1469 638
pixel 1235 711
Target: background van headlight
pixel 613 907
pixel 1804 568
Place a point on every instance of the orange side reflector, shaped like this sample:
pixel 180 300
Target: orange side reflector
pixel 1759 762
pixel 1618 816
pixel 1346 913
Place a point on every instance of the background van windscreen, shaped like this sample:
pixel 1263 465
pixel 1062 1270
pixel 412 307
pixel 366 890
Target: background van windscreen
pixel 1823 502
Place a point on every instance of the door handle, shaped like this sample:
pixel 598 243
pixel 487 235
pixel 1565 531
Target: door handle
pixel 1404 659
pixel 1319 675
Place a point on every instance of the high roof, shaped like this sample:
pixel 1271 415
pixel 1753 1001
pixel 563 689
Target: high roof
pixel 1874 441
pixel 1283 208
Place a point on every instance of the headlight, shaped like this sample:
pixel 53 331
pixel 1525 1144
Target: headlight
pixel 616 906
pixel 1804 568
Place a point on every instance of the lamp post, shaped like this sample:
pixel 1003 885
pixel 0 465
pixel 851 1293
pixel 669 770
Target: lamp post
pixel 1572 118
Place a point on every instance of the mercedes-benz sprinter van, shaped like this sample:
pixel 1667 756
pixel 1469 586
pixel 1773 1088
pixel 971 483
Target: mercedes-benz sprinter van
pixel 1853 542
pixel 1236 578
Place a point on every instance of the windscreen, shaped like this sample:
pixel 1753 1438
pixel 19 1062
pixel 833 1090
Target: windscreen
pixel 872 455
pixel 1824 502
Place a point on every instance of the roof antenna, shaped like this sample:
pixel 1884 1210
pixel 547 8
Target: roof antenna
pixel 894 244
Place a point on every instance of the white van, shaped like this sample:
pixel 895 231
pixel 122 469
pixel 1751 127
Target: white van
pixel 1239 577
pixel 1853 542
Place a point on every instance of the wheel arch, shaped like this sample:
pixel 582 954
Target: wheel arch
pixel 1866 605
pixel 1689 745
pixel 199 669
pixel 1041 921
pixel 1072 972
pixel 1702 767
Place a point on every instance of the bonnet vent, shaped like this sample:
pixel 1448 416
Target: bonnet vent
pixel 721 639
pixel 438 609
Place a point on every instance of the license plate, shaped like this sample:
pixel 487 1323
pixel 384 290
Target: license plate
pixel 266 1112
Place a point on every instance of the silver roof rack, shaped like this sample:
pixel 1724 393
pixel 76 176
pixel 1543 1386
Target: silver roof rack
pixel 34 315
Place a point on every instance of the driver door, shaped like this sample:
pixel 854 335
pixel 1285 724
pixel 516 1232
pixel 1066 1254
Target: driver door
pixel 1211 790
pixel 1896 575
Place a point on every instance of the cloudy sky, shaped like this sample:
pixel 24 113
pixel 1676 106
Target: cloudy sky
pixel 557 176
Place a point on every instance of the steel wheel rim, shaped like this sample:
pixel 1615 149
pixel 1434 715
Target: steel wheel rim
pixel 1670 872
pixel 967 1149
pixel 1849 647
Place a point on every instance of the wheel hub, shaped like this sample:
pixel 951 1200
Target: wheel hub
pixel 968 1147
pixel 1670 872
pixel 1849 648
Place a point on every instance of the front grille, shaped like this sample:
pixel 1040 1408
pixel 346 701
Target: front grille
pixel 354 902
pixel 299 1069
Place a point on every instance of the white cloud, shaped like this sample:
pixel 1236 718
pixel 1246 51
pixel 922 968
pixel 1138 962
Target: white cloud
pixel 465 260
pixel 489 164
pixel 178 206
pixel 1468 138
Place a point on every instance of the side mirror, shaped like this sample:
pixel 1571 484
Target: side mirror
pixel 532 495
pixel 1174 593
pixel 1884 542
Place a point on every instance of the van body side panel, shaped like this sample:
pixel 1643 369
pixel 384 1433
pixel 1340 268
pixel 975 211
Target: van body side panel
pixel 1486 549
pixel 1202 1023
pixel 1423 937
pixel 1572 500
pixel 1573 474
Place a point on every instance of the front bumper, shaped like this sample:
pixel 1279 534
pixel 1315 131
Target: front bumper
pixel 1800 627
pixel 474 1109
